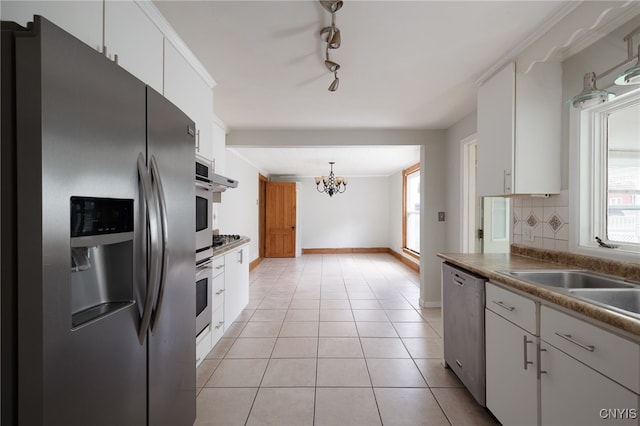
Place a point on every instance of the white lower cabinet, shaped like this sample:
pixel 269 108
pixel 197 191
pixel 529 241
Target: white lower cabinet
pixel 204 343
pixel 574 394
pixel 512 387
pixel 512 384
pixel 236 283
pixel 575 372
pixel 589 376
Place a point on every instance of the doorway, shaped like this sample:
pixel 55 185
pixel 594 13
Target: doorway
pixel 280 219
pixel 471 213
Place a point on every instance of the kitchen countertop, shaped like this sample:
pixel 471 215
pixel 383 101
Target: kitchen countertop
pixel 228 247
pixel 486 265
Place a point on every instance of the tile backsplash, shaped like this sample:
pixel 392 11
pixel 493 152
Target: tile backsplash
pixel 549 218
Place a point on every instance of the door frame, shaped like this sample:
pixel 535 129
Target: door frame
pixel 262 213
pixel 469 241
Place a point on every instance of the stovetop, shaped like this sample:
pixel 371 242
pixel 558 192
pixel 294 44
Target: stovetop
pixel 224 239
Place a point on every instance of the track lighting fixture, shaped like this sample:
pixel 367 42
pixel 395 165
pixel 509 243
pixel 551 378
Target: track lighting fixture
pixel 331 36
pixel 591 95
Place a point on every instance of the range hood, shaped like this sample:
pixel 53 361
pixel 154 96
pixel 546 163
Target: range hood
pixel 221 183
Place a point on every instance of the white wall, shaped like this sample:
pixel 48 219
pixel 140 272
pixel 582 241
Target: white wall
pixel 357 218
pixel 433 233
pixel 457 133
pixel 238 212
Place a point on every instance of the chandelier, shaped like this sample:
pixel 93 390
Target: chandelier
pixel 331 184
pixel 331 35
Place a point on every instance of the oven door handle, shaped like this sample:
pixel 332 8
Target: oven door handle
pixel 155 178
pixel 203 267
pixel 152 225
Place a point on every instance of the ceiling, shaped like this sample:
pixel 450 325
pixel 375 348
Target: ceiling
pixel 405 64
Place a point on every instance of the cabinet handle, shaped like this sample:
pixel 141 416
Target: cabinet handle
pixel 198 140
pixel 568 337
pixel 540 370
pixel 220 324
pixel 503 306
pixel 220 291
pixel 219 267
pixel 241 257
pixel 526 342
pixel 458 280
pixel 507 181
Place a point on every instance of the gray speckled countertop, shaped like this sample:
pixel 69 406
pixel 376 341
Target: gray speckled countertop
pixel 487 265
pixel 228 247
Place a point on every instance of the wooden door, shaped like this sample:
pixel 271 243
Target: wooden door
pixel 280 219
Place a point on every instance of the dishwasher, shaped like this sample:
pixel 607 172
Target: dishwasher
pixel 463 327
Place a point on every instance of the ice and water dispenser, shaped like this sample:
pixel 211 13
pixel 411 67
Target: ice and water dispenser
pixel 101 257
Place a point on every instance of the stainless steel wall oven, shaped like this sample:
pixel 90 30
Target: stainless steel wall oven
pixel 204 205
pixel 204 289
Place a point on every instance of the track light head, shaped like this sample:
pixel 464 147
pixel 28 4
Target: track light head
pixel 335 41
pixel 334 84
pixel 331 6
pixel 332 66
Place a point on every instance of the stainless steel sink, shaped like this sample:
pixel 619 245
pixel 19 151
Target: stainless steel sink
pixel 569 279
pixel 626 300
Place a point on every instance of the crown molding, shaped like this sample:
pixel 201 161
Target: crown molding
pixel 550 22
pixel 172 36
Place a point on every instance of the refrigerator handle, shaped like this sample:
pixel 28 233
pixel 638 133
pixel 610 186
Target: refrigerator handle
pixel 151 208
pixel 155 178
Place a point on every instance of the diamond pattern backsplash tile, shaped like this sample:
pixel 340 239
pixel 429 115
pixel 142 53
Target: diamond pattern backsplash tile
pixel 548 216
pixel 555 222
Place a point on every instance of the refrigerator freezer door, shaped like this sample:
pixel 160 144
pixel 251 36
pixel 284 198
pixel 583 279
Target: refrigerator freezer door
pixel 81 126
pixel 172 335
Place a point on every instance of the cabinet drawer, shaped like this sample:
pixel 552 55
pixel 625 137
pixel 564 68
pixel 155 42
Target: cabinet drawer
pixel 217 296
pixel 217 324
pixel 203 345
pixel 611 355
pixel 517 309
pixel 218 266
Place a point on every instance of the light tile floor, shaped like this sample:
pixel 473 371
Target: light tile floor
pixel 333 340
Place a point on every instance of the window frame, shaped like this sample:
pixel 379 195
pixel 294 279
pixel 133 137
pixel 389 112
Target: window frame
pixel 405 173
pixel 588 194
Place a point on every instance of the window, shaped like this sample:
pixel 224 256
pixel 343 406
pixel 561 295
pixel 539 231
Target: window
pixel 411 210
pixel 608 178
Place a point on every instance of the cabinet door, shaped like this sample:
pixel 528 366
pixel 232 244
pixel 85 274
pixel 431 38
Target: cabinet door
pixel 236 283
pixel 496 115
pixel 511 389
pixel 574 394
pixel 82 19
pixel 139 51
pixel 184 87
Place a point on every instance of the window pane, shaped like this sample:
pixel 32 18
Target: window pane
pixel 413 211
pixel 623 175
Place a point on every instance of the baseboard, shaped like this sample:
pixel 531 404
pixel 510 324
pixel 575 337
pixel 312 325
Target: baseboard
pixel 255 263
pixel 401 258
pixel 347 250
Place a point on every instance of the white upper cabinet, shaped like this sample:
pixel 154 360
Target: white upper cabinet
pixel 140 51
pixel 82 19
pixel 519 130
pixel 219 146
pixel 188 91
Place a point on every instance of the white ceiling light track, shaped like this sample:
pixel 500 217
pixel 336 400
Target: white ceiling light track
pixel 331 36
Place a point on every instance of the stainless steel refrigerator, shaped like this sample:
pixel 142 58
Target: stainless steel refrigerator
pixel 98 312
